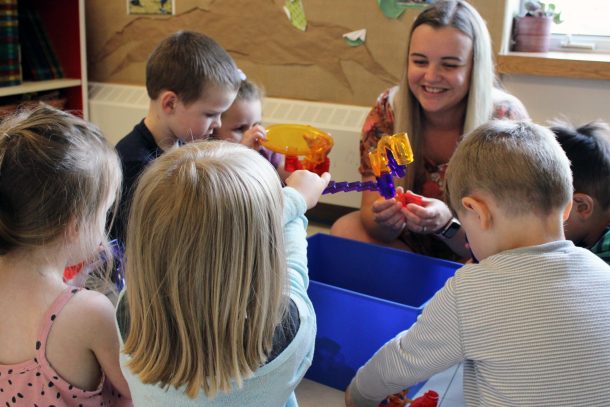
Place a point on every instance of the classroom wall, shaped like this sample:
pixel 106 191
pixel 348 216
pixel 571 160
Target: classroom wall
pixel 577 100
pixel 314 65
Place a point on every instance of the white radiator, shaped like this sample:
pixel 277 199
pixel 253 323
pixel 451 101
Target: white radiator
pixel 117 108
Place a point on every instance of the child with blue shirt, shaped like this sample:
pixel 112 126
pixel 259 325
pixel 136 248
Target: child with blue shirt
pixel 216 311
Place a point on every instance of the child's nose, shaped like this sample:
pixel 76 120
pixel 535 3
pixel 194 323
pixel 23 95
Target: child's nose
pixel 216 123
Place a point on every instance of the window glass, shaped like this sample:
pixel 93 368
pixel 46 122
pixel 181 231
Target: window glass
pixel 583 17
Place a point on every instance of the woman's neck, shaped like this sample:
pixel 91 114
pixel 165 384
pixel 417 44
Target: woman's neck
pixel 452 120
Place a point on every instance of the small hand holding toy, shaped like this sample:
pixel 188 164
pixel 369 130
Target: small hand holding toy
pixel 253 136
pixel 429 399
pixel 388 160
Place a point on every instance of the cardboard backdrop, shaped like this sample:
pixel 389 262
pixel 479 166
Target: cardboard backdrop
pixel 313 65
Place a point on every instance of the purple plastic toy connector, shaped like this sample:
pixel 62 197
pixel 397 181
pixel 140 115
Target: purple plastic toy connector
pixel 396 169
pixel 386 185
pixel 334 187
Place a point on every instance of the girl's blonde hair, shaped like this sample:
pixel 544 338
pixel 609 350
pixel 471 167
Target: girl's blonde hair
pixel 205 267
pixel 55 168
pixel 250 91
pixel 408 112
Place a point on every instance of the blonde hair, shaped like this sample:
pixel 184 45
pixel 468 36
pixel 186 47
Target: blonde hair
pixel 55 168
pixel 249 91
pixel 408 112
pixel 205 269
pixel 519 163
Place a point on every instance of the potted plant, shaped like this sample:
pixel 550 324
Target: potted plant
pixel 532 32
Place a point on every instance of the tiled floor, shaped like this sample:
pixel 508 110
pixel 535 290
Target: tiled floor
pixel 314 228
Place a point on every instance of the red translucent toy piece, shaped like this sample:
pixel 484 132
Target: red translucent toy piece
pixel 292 163
pixel 71 271
pixel 409 197
pixel 429 399
pixel 320 168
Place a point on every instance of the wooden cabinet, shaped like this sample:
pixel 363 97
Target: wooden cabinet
pixel 64 22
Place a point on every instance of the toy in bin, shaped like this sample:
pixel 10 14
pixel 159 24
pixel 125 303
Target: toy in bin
pixel 429 399
pixel 294 140
pixel 388 160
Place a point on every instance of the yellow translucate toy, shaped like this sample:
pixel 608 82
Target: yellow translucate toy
pixel 388 160
pixel 295 140
pixel 396 146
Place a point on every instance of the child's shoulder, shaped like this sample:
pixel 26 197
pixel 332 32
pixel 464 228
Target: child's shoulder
pixel 88 309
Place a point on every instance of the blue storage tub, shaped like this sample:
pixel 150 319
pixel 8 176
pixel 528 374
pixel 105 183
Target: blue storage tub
pixel 363 296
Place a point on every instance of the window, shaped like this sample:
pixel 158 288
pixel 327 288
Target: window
pixel 585 25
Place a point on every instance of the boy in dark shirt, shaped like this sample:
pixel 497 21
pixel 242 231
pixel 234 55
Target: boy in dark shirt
pixel 191 81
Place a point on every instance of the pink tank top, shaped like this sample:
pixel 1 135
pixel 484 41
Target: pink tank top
pixel 36 383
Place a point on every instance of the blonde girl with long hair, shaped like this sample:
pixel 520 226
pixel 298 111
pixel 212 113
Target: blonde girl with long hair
pixel 447 89
pixel 216 311
pixel 58 344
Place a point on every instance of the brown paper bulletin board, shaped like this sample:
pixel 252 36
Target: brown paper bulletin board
pixel 315 65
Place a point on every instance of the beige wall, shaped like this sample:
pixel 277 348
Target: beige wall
pixel 313 65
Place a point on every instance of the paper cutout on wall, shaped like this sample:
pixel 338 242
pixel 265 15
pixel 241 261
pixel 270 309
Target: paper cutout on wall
pixel 296 13
pixel 151 7
pixel 394 8
pixel 355 38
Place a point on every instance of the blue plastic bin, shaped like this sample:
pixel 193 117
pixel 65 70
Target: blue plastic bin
pixel 363 296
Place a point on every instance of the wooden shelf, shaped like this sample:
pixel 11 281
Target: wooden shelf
pixel 555 64
pixel 63 21
pixel 39 86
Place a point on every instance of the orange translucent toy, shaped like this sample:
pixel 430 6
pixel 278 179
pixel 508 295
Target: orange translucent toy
pixel 295 140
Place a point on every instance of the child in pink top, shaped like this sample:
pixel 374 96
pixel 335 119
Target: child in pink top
pixel 58 344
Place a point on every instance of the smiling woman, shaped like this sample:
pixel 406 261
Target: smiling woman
pixel 447 89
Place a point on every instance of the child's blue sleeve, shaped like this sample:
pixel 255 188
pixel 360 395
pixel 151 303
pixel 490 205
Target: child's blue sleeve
pixel 295 239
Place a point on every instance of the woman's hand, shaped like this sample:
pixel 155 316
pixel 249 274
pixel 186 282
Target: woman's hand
pixel 431 217
pixel 388 214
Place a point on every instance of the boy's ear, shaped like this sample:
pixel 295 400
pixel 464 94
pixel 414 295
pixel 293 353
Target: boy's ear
pixel 479 209
pixel 568 210
pixel 168 101
pixel 583 205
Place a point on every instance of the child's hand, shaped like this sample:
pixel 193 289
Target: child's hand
pixel 253 136
pixel 309 184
